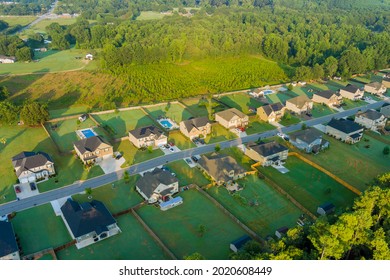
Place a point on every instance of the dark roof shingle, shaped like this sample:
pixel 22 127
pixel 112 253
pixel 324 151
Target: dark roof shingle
pixel 217 166
pixel 146 131
pixel 196 122
pixel 8 243
pixel 151 180
pixel 89 144
pixel 345 126
pixel 308 135
pixel 268 149
pixel 326 94
pixel 29 160
pixel 371 114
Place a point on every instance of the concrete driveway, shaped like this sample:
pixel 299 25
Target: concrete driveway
pixel 111 164
pixel 26 191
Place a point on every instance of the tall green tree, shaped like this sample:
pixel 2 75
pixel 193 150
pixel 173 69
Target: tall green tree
pixel 33 113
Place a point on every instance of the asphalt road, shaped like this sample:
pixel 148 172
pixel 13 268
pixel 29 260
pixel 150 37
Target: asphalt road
pixel 40 18
pixel 95 182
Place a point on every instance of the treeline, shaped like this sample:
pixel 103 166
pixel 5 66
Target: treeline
pixel 14 46
pixel 25 7
pixel 362 232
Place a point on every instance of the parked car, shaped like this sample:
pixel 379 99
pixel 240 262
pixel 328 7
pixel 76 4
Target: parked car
pixel 17 189
pixel 33 187
pixel 118 156
pixel 172 149
pixel 167 146
pixel 194 158
pixel 188 161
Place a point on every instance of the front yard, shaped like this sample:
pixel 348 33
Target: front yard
pixel 181 141
pixel 219 134
pixel 257 126
pixel 134 155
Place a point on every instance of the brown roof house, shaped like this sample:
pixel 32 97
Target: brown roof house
pixel 272 112
pixel 195 128
pixel 157 185
pixel 148 136
pixel 371 119
pixel 351 92
pixel 299 105
pixel 386 82
pixel 309 140
pixel 32 167
pixel 375 88
pixel 222 169
pixel 271 153
pixel 232 118
pixel 93 149
pixel 328 97
pixel 344 130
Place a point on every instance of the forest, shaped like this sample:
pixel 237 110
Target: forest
pixel 24 7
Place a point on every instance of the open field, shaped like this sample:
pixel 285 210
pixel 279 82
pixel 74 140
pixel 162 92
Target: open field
pixel 258 205
pixel 257 126
pixel 309 186
pixel 218 134
pixel 123 121
pixel 39 228
pixel 241 101
pixel 181 141
pixel 15 20
pixel 150 15
pixel 178 227
pixel 175 112
pixel 134 155
pixel 187 175
pixel 133 243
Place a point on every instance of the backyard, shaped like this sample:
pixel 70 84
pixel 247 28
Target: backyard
pixel 73 110
pixel 241 101
pixel 173 111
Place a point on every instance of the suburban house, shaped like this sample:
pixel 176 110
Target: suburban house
pixel 299 105
pixel 88 222
pixel 238 244
pixel 325 208
pixel 271 153
pixel 280 232
pixel 195 128
pixel 32 167
pixel 385 110
pixel 309 140
pixel 375 88
pixel 147 136
pixel 157 185
pixel 92 149
pixel 272 112
pixel 351 92
pixel 7 59
pixel 222 169
pixel 344 130
pixel 371 119
pixel 386 82
pixel 232 118
pixel 9 249
pixel 328 97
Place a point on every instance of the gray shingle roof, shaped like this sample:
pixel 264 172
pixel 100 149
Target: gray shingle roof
pixel 8 243
pixel 345 126
pixel 29 160
pixel 230 114
pixel 375 85
pixel 151 180
pixel 146 131
pixel 371 114
pixel 268 109
pixel 218 165
pixel 196 122
pixel 326 94
pixel 299 101
pixel 89 144
pixel 351 88
pixel 308 135
pixel 268 149
pixel 86 217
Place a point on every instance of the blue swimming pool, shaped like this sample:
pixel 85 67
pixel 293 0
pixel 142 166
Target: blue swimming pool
pixel 88 133
pixel 166 123
pixel 268 91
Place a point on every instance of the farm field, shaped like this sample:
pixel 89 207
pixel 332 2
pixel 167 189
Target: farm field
pixel 133 243
pixel 134 155
pixel 179 227
pixel 258 205
pixel 150 15
pixel 309 186
pixel 175 112
pixel 241 101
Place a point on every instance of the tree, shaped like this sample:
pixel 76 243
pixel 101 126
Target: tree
pixel 8 113
pixel 303 126
pixel 194 256
pixel 24 54
pixel 330 66
pixel 386 150
pixel 88 191
pixel 126 177
pixel 4 94
pixel 217 148
pixel 34 113
pixel 3 140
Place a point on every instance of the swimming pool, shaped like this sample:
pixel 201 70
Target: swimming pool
pixel 166 124
pixel 268 91
pixel 88 133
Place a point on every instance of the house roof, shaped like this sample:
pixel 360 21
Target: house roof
pixel 229 114
pixel 327 206
pixel 326 94
pixel 268 109
pixel 217 166
pixel 375 85
pixel 345 126
pixel 25 161
pixel 240 242
pixel 196 123
pixel 370 114
pixel 8 243
pixel 308 135
pixel 282 230
pixel 267 149
pixel 151 180
pixel 7 57
pixel 299 101
pixel 146 131
pixel 89 144
pixel 386 79
pixel 351 88
pixel 86 217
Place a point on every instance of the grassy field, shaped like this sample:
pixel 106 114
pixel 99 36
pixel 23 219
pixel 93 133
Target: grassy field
pixel 309 186
pixel 178 228
pixel 50 61
pixel 39 228
pixel 74 110
pixel 193 105
pixel 218 134
pixel 133 243
pixel 181 141
pixel 15 20
pixel 134 155
pixel 241 101
pixel 150 15
pixel 175 112
pixel 187 175
pixel 123 121
pixel 258 205
pixel 257 126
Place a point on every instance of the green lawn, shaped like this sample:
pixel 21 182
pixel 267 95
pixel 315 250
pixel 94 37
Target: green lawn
pixel 150 15
pixel 178 227
pixel 258 205
pixel 15 20
pixel 320 110
pixel 175 112
pixel 355 164
pixel 39 228
pixel 292 120
pixel 309 186
pixel 241 101
pixel 187 175
pixel 257 126
pixel 46 257
pixel 133 243
pixel 134 155
pixel 74 110
pixel 218 134
pixel 349 104
pixel 123 121
pixel 280 97
pixel 65 133
pixel 181 141
pixel 193 105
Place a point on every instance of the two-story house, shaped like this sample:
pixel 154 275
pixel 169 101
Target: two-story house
pixel 328 97
pixel 9 249
pixel 375 88
pixel 386 82
pixel 371 119
pixel 232 118
pixel 309 140
pixel 271 112
pixel 157 185
pixel 93 149
pixel 196 127
pixel 344 130
pixel 299 105
pixel 88 222
pixel 271 153
pixel 351 92
pixel 32 167
pixel 148 136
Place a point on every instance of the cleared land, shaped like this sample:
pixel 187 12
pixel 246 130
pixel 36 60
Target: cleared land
pixel 150 15
pixel 15 20
pixel 241 101
pixel 174 111
pixel 258 205
pixel 179 227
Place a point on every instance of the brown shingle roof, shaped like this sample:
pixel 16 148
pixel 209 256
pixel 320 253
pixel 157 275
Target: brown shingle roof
pixel 299 101
pixel 230 114
pixel 29 160
pixel 89 144
pixel 198 123
pixel 151 180
pixel 268 109
pixel 218 165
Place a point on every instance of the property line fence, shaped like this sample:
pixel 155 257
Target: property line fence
pixel 39 254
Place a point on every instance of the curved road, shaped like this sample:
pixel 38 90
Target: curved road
pixel 95 182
